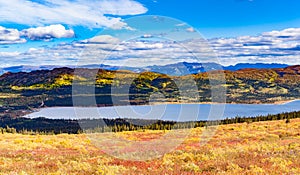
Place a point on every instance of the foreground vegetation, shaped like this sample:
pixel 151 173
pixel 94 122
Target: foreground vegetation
pixel 271 147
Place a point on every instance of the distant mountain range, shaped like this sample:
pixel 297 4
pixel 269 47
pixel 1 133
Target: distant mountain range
pixel 255 66
pixel 182 68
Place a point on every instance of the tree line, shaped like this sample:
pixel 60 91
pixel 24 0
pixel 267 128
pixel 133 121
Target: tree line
pixel 56 126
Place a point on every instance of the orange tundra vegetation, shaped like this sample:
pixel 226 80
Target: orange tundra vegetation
pixel 248 148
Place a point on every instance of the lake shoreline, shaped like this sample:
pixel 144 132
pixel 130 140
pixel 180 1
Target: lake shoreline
pixel 283 102
pixel 167 111
pixel 216 103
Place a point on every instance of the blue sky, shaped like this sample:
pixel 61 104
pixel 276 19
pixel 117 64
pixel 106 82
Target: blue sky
pixel 57 32
pixel 215 18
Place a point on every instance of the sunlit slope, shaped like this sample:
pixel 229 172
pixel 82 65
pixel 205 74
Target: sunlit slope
pixel 253 148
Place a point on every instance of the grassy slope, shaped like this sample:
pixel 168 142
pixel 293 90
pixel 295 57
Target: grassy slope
pixel 256 148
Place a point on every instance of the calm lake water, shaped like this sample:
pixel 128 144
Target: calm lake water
pixel 176 112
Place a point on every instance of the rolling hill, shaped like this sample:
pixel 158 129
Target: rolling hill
pixel 28 90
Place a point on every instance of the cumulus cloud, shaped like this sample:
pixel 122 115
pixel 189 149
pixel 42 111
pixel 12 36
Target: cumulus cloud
pixel 147 36
pixel 190 29
pixel 138 45
pixel 181 24
pixel 121 7
pixel 275 46
pixel 48 32
pixel 90 13
pixel 264 48
pixel 269 47
pixel 10 36
pixel 97 44
pixel 284 34
pixel 9 54
pixel 103 39
pixel 14 36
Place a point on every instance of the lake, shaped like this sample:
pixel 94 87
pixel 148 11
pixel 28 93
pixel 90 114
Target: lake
pixel 176 112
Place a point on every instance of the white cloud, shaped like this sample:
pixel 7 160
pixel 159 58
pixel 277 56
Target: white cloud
pixel 98 44
pixel 36 51
pixel 9 54
pixel 147 36
pixel 101 39
pixel 10 36
pixel 72 12
pixel 110 50
pixel 13 36
pixel 121 7
pixel 180 24
pixel 275 46
pixel 190 29
pixel 48 32
pixel 144 45
pixel 286 33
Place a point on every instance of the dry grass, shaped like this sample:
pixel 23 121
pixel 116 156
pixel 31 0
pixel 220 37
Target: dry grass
pixel 255 148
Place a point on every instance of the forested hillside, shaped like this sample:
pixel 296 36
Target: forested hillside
pixel 25 91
